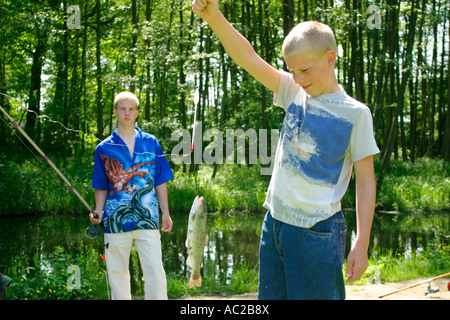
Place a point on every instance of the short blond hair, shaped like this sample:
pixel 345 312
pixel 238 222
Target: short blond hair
pixel 125 96
pixel 310 35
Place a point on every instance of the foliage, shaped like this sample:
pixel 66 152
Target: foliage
pixel 235 188
pixel 423 186
pixel 390 267
pixel 244 279
pixel 29 186
pixel 48 277
pixel 67 77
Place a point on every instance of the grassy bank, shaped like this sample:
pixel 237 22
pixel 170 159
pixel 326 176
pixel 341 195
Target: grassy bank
pixel 47 278
pixel 432 261
pixel 27 187
pixel 50 278
pixel 32 187
pixel 423 186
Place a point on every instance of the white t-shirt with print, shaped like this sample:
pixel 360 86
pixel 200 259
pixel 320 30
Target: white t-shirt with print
pixel 320 139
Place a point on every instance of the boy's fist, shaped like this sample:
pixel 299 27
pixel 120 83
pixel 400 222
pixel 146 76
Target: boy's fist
pixel 205 9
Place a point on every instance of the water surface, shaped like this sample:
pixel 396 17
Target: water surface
pixel 233 239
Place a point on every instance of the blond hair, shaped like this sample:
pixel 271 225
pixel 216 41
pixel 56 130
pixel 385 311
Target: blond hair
pixel 310 35
pixel 125 96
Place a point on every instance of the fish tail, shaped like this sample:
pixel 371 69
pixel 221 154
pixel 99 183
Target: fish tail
pixel 195 282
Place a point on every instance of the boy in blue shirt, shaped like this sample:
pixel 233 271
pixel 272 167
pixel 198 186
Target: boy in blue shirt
pixel 324 134
pixel 130 176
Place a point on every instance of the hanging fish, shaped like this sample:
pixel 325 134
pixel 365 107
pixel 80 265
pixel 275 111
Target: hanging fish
pixel 196 240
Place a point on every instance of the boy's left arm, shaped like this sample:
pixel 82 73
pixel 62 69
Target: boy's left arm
pixel 357 259
pixel 161 194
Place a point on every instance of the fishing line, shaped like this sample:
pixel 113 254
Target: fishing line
pixel 196 100
pixel 11 123
pixel 85 203
pixel 41 160
pixel 148 152
pixel 46 117
pixel 92 231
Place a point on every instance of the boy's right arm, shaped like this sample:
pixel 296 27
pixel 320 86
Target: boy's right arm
pixel 100 199
pixel 236 45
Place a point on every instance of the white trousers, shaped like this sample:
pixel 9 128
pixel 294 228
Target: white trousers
pixel 117 253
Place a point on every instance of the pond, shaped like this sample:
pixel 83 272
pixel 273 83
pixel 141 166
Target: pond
pixel 233 239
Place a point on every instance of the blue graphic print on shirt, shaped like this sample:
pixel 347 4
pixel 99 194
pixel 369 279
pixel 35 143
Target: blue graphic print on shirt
pixel 318 153
pixel 130 180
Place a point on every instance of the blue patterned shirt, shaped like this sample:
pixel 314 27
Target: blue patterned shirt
pixel 130 181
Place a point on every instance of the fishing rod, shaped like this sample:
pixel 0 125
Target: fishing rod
pixel 92 230
pixel 415 285
pixel 196 100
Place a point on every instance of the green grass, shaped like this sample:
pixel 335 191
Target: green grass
pixel 36 282
pixel 31 187
pixel 242 280
pixel 47 278
pixel 420 187
pixel 388 267
pixel 27 187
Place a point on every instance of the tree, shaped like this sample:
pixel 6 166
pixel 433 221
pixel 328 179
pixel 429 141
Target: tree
pixel 162 52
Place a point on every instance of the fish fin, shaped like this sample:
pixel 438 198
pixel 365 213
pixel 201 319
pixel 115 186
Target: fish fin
pixel 188 262
pixel 195 282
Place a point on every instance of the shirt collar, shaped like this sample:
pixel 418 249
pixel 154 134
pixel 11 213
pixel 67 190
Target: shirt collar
pixel 117 139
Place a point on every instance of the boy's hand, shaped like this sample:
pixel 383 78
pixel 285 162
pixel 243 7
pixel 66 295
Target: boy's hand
pixel 236 45
pixel 357 262
pixel 205 9
pixel 98 218
pixel 166 223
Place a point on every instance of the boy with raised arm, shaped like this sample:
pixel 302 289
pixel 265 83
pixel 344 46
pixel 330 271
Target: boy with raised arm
pixel 324 134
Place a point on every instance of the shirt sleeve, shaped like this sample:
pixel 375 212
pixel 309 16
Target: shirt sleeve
pixel 288 92
pixel 163 172
pixel 99 178
pixel 362 140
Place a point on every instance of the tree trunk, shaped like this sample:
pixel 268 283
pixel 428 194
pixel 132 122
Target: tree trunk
pixel 445 148
pixel 99 74
pixel 34 95
pixel 407 64
pixel 134 35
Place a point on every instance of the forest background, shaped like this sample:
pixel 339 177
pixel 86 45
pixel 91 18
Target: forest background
pixel 62 62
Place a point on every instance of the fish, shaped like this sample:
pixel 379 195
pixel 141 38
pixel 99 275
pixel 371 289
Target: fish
pixel 196 240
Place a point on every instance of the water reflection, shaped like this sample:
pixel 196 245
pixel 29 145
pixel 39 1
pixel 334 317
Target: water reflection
pixel 402 234
pixel 233 240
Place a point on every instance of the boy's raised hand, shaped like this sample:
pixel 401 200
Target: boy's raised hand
pixel 236 45
pixel 205 9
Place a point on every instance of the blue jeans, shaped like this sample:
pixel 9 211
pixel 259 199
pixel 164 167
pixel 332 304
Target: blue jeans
pixel 302 264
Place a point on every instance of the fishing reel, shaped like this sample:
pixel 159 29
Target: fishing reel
pixel 431 290
pixel 92 232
